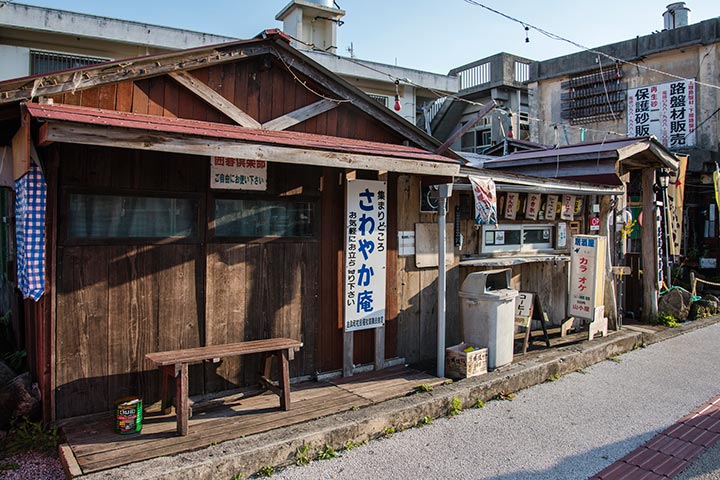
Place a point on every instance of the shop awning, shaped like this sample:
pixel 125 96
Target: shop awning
pixel 109 128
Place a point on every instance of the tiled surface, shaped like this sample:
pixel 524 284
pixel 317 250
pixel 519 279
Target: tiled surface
pixel 669 452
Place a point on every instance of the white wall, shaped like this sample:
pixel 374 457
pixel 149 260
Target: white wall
pixel 14 62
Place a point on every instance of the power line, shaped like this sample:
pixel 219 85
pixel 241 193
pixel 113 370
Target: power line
pixel 554 36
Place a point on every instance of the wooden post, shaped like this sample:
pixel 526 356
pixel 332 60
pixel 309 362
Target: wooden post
pixel 182 403
pixel 284 381
pixel 379 348
pixel 649 247
pixel 609 301
pixel 348 353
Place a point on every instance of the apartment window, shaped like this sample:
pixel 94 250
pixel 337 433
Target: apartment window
pixel 522 72
pixel 476 140
pixel 594 97
pixel 45 62
pixel 381 99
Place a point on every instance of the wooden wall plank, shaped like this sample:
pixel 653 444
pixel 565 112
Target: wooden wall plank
pixel 156 96
pixel 140 97
pixel 82 334
pixel 124 96
pixel 226 311
pixel 90 97
pixel 107 95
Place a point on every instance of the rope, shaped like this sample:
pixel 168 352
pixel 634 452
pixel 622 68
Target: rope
pixel 694 287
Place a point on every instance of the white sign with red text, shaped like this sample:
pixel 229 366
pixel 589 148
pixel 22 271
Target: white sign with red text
pixel 238 173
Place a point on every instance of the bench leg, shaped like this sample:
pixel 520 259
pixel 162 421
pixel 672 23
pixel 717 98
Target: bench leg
pixel 181 398
pixel 166 373
pixel 284 380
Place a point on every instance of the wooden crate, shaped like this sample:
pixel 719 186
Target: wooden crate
pixel 459 364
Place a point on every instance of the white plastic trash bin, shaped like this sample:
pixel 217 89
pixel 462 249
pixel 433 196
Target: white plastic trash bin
pixel 487 312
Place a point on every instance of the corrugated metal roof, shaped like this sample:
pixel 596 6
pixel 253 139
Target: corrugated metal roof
pixel 111 118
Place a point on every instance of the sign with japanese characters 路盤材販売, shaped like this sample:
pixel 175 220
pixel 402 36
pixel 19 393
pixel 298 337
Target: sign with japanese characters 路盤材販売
pixel 238 173
pixel 665 110
pixel 365 254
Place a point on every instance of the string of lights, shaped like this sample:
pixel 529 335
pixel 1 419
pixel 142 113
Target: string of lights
pixel 554 36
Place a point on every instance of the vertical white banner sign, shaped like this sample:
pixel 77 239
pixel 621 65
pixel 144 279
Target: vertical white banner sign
pixel 666 110
pixel 586 275
pixel 551 207
pixel 365 254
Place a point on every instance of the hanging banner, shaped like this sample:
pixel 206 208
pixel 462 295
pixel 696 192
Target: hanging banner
pixel 665 110
pixel 587 273
pixel 511 205
pixel 676 201
pixel 238 173
pixel 551 207
pixel 533 205
pixel 568 207
pixel 485 197
pixel 365 254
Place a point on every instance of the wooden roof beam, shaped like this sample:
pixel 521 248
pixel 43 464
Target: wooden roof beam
pixel 204 146
pixel 300 115
pixel 214 99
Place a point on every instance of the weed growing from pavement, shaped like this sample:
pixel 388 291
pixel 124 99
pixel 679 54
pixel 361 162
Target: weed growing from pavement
pixel 349 445
pixel 455 407
pixel 302 457
pixel 555 378
pixel 327 453
pixel 479 404
pixel 27 436
pixel 266 471
pixel 504 396
pixel 389 431
pixel 355 408
pixel 615 359
pixel 423 388
pixel 424 421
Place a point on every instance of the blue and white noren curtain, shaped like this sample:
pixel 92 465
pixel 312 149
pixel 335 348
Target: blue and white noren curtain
pixel 30 200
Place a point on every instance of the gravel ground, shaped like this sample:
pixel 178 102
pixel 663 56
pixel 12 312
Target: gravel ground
pixel 707 467
pixel 568 429
pixel 32 466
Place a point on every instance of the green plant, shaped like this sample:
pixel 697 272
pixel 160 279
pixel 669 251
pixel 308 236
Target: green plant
pixel 555 377
pixel 424 421
pixel 301 456
pixel 266 471
pixel 423 388
pixel 615 359
pixel 455 407
pixel 327 453
pixel 28 435
pixel 349 445
pixel 355 408
pixel 667 320
pixel 504 396
pixel 389 431
pixel 7 466
pixel 238 476
pixel 479 404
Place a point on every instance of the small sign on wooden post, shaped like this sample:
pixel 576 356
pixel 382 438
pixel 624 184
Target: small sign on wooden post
pixel 587 286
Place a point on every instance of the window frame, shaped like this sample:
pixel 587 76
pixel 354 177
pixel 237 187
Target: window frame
pixel 524 247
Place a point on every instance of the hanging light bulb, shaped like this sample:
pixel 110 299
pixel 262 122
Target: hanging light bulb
pixel 527 34
pixel 510 132
pixel 398 106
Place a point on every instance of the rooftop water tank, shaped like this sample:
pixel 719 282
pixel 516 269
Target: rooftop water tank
pixel 676 15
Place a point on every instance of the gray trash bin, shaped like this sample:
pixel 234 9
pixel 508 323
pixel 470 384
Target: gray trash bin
pixel 487 312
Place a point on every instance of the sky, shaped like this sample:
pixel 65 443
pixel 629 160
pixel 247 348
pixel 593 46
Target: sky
pixel 430 35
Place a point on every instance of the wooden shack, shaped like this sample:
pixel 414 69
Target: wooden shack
pixel 197 198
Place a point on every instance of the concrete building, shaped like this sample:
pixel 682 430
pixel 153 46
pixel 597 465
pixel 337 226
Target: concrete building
pixel 500 78
pixel 35 40
pixel 663 84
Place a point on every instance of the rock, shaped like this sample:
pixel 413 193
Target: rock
pixel 700 309
pixel 676 302
pixel 6 373
pixel 714 303
pixel 19 398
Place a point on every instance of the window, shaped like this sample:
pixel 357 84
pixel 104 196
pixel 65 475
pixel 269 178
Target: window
pixel 114 216
pixel 476 140
pixel 516 238
pixel 44 62
pixel 264 218
pixel 522 72
pixel 594 97
pixel 381 99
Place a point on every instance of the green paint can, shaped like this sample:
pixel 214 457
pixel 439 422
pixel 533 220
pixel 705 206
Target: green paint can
pixel 128 415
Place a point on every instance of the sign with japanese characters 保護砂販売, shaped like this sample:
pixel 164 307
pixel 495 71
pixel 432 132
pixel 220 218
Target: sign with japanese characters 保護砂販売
pixel 665 110
pixel 365 254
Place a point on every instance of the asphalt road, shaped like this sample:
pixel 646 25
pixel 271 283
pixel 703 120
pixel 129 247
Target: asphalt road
pixel 567 429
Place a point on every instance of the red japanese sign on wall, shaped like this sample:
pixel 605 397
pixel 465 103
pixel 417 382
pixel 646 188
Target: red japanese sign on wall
pixel 587 270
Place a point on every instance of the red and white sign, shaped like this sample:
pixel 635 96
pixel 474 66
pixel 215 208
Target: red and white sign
pixel 238 173
pixel 594 223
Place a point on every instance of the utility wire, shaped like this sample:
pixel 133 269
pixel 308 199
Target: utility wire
pixel 554 36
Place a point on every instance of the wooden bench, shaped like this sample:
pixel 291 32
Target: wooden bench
pixel 175 364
